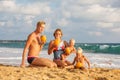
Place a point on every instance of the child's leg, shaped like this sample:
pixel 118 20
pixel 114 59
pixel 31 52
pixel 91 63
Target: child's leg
pixel 83 68
pixel 68 62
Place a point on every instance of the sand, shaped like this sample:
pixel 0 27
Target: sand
pixel 43 73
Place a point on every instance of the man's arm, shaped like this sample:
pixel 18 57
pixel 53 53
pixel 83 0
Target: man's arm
pixel 50 48
pixel 28 42
pixel 40 42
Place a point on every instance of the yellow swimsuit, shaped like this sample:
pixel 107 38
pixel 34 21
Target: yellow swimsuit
pixel 78 65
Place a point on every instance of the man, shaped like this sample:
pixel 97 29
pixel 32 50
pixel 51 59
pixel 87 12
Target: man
pixel 34 45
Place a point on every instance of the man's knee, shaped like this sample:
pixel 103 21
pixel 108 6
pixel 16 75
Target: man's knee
pixel 55 65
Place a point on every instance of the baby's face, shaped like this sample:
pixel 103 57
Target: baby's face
pixel 72 43
pixel 79 54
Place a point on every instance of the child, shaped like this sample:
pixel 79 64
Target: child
pixel 69 49
pixel 80 60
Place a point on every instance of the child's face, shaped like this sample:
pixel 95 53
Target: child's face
pixel 79 54
pixel 72 42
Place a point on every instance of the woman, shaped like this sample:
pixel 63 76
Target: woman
pixel 57 49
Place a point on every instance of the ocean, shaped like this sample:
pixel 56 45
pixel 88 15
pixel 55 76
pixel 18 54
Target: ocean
pixel 105 55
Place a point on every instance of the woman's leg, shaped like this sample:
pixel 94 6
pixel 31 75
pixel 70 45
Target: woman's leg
pixel 68 62
pixel 43 62
pixel 60 63
pixel 69 67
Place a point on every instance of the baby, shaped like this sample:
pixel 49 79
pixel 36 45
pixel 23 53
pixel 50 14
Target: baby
pixel 80 60
pixel 68 50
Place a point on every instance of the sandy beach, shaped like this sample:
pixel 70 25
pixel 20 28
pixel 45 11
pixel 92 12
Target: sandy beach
pixel 8 72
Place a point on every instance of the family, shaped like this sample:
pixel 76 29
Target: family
pixel 59 48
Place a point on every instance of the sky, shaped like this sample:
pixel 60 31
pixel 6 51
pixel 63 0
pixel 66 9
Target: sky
pixel 87 21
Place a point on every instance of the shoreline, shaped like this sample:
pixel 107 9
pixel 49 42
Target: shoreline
pixel 8 72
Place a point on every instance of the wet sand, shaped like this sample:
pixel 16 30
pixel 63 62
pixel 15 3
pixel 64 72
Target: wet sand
pixel 8 72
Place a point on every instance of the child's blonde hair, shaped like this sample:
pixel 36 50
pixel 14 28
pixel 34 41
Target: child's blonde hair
pixel 79 50
pixel 72 40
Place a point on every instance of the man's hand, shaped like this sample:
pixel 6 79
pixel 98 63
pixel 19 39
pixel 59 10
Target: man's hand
pixel 22 65
pixel 40 42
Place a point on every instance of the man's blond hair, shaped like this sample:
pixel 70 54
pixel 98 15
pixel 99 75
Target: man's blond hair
pixel 40 22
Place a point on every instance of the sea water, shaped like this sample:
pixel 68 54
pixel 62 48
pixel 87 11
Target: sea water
pixel 105 55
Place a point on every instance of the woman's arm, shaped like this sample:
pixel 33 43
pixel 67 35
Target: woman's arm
pixel 63 57
pixel 74 61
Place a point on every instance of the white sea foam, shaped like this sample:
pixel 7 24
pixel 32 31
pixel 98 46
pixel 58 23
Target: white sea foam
pixel 10 58
pixel 104 46
pixel 13 56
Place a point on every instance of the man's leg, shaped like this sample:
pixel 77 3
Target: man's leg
pixel 43 62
